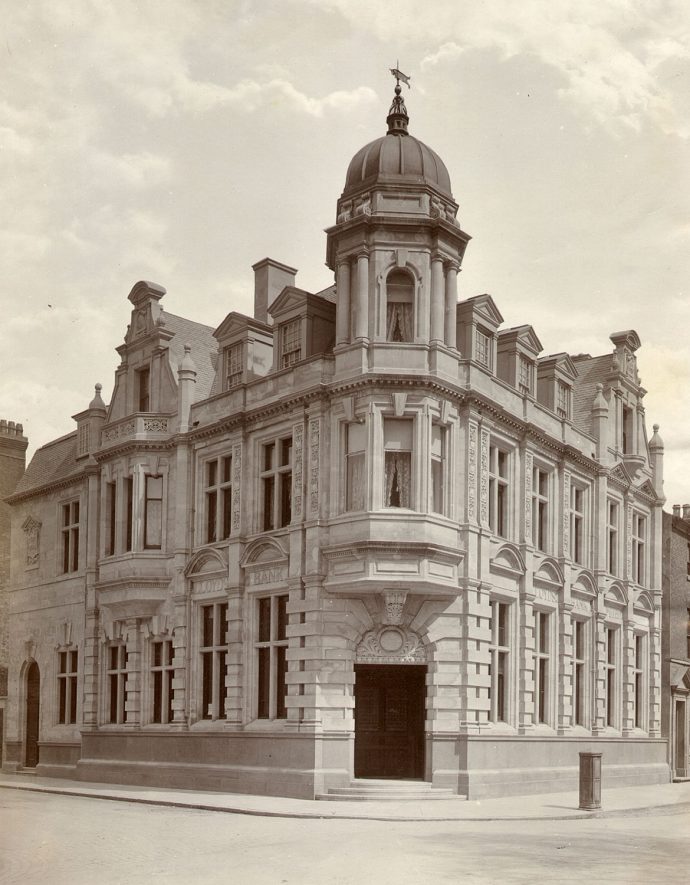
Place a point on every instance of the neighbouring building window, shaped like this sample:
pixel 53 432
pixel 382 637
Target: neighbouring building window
pixel 638 681
pixel 498 491
pixel 397 443
pixel 500 661
pixel 577 524
pixel 540 509
pixel 356 443
pixel 482 348
pixel 214 650
pixel 68 669
pixel 271 648
pixel 234 364
pixel 290 343
pixel 143 377
pixel 579 672
pixel 613 516
pixel 562 400
pixel 153 512
pixel 69 537
pixel 161 680
pixel 399 306
pixel 218 498
pixel 639 538
pixel 439 436
pixel 111 517
pixel 129 514
pixel 525 371
pixel 116 675
pixel 276 483
pixel 542 665
pixel 611 669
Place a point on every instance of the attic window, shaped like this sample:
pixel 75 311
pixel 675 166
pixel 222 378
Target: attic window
pixel 144 389
pixel 482 348
pixel 562 400
pixel 290 343
pixel 234 365
pixel 524 375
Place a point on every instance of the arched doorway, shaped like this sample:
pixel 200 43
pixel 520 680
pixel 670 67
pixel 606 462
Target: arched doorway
pixel 33 700
pixel 390 704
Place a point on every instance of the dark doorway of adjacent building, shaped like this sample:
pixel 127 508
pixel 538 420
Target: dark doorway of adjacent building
pixel 33 695
pixel 389 721
pixel 680 765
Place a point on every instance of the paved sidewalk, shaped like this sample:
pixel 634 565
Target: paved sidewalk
pixel 660 799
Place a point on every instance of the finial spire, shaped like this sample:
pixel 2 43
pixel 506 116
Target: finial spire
pixel 397 118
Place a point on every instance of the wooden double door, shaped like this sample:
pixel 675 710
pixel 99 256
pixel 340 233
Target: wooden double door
pixel 389 721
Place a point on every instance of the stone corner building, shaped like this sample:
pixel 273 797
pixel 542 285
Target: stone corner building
pixel 363 533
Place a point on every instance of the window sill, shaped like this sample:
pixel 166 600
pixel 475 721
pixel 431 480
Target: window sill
pixel 266 725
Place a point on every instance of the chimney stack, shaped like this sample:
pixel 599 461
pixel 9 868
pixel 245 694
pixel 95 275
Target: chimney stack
pixel 686 511
pixel 270 278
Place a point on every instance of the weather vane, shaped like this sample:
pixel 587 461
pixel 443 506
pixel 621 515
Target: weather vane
pixel 398 74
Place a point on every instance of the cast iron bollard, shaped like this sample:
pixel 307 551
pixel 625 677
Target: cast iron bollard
pixel 590 781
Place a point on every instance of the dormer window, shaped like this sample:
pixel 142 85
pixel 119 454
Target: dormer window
pixel 399 307
pixel 562 400
pixel 627 430
pixel 290 343
pixel 524 375
pixel 482 348
pixel 143 377
pixel 234 364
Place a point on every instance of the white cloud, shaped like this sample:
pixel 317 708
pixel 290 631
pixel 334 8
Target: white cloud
pixel 137 170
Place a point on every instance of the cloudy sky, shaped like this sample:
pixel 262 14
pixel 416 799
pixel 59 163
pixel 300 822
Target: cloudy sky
pixel 180 141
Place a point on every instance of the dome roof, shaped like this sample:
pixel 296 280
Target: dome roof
pixel 397 157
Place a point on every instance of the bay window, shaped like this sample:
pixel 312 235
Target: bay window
pixel 355 483
pixel 397 441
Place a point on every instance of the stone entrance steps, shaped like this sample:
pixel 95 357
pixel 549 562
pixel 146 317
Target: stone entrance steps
pixel 367 790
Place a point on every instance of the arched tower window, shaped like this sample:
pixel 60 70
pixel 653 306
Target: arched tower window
pixel 399 306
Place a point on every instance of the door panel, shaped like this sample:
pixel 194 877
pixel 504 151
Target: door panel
pixel 389 721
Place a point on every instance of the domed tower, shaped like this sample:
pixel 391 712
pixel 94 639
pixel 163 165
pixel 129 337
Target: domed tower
pixel 396 249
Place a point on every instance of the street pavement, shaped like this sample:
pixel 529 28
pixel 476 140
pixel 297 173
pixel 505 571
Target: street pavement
pixel 81 840
pixel 551 806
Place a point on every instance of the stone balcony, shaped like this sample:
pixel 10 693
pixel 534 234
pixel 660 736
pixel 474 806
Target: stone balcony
pixel 137 428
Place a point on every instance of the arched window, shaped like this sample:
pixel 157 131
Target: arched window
pixel 399 306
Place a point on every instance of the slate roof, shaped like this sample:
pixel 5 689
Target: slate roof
pixel 591 370
pixel 204 350
pixel 54 462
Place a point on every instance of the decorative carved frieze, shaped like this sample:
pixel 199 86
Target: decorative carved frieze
pixel 484 479
pixel 236 486
pixel 297 468
pixel 32 531
pixel 472 472
pixel 155 425
pixel 390 645
pixel 314 453
pixel 394 603
pixel 566 513
pixel 529 467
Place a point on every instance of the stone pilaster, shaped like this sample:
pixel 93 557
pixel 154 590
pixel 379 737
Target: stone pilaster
pixel 133 687
pixel 598 666
pixel 180 635
pixel 234 662
pixel 90 671
pixel 526 687
pixel 565 700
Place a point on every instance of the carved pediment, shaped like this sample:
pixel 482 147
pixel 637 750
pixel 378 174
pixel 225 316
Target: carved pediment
pixel 508 559
pixel 644 602
pixel 615 594
pixel 205 562
pixel 549 573
pixel 584 583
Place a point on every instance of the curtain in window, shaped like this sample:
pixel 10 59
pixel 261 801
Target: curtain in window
pixel 399 321
pixel 355 481
pixel 397 479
